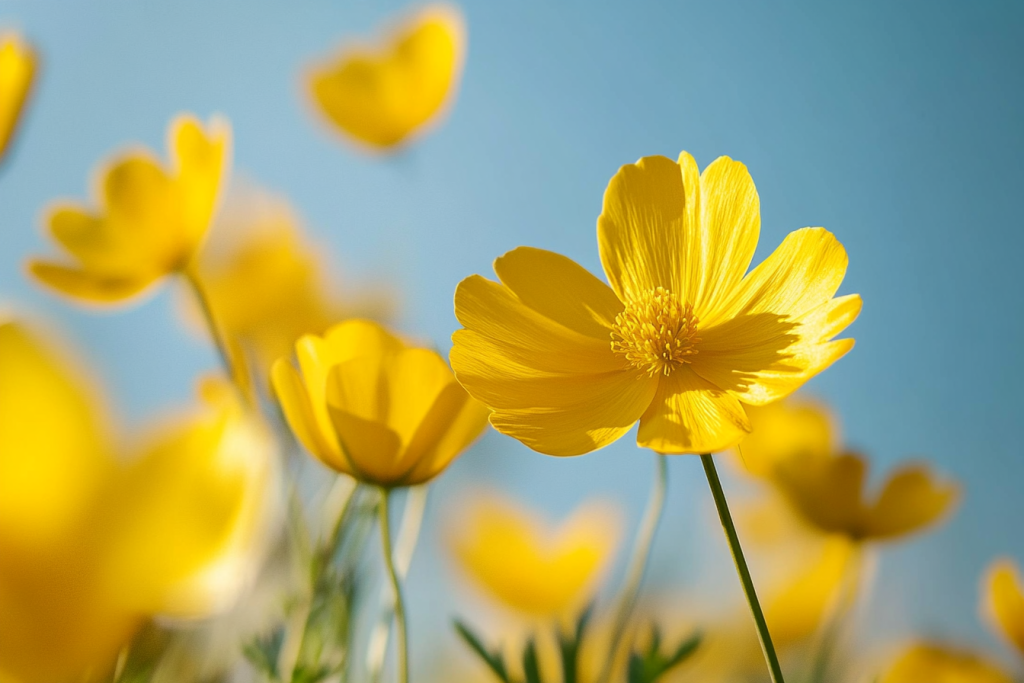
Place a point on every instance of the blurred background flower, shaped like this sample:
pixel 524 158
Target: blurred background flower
pixel 18 63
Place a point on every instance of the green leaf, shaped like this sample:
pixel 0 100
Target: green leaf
pixel 651 665
pixel 492 659
pixel 263 653
pixel 569 647
pixel 531 667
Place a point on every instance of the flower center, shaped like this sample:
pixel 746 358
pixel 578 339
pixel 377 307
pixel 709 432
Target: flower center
pixel 656 332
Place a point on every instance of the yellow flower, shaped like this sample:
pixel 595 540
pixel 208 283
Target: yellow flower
pixel 784 430
pixel 829 494
pixel 91 545
pixel 929 663
pixel 266 284
pixel 369 406
pixel 682 338
pixel 17 72
pixel 150 222
pixel 1003 602
pixel 382 96
pixel 530 565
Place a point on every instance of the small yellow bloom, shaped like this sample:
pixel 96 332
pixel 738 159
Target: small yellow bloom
pixel 829 494
pixel 92 545
pixel 266 283
pixel 783 430
pixel 17 72
pixel 1003 602
pixel 151 220
pixel 382 96
pixel 530 565
pixel 930 663
pixel 682 339
pixel 369 406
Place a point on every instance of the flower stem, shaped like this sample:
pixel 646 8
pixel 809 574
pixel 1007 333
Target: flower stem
pixel 637 564
pixel 741 568
pixel 219 340
pixel 396 588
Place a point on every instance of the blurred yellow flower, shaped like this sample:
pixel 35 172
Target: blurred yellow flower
pixel 1003 602
pixel 150 222
pixel 17 72
pixel 533 566
pixel 930 663
pixel 382 96
pixel 266 283
pixel 682 338
pixel 783 430
pixel 829 494
pixel 92 545
pixel 369 406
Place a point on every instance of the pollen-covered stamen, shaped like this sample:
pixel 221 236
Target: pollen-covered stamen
pixel 656 332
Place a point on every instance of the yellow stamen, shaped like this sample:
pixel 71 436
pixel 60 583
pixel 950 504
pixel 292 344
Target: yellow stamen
pixel 656 332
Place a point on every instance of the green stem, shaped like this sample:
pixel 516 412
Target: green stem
pixel 637 564
pixel 741 568
pixel 219 340
pixel 396 588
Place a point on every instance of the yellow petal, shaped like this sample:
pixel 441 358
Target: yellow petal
pixel 826 492
pixel 200 160
pixel 532 566
pixel 413 378
pixel 1003 601
pixel 784 430
pixel 83 285
pixel 730 221
pixel 455 422
pixel 910 500
pixel 298 411
pixel 648 229
pixel 558 288
pixel 927 663
pixel 17 71
pixel 382 97
pixel 689 415
pixel 370 447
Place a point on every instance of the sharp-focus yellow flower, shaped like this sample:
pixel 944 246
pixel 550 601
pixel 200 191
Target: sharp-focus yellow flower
pixel 382 96
pixel 929 663
pixel 1003 602
pixel 829 494
pixel 783 430
pixel 266 284
pixel 682 338
pixel 17 71
pixel 150 221
pixel 369 406
pixel 530 565
pixel 92 545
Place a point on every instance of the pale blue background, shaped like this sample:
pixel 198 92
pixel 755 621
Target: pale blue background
pixel 899 126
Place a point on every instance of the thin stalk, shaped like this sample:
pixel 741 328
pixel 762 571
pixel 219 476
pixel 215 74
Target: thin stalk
pixel 219 340
pixel 396 588
pixel 405 546
pixel 637 564
pixel 774 670
pixel 830 631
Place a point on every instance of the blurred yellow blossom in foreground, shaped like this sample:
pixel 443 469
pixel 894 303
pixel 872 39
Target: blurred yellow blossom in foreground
pixel 682 338
pixel 533 566
pixel 1003 602
pixel 17 72
pixel 930 663
pixel 382 96
pixel 91 546
pixel 266 284
pixel 366 404
pixel 150 222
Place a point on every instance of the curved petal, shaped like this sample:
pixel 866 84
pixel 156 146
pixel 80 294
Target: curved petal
pixel 86 286
pixel 927 663
pixel 784 430
pixel 452 424
pixel 730 220
pixel 910 500
pixel 828 493
pixel 372 449
pixel 17 72
pixel 298 411
pixel 560 289
pixel 414 380
pixel 690 415
pixel 1004 601
pixel 201 159
pixel 648 230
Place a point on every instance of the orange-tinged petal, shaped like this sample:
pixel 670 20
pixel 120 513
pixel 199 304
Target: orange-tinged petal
pixel 828 493
pixel 784 430
pixel 730 220
pixel 560 289
pixel 1003 602
pixel 910 500
pixel 86 286
pixel 371 448
pixel 298 411
pixel 17 72
pixel 648 230
pixel 690 415
pixel 383 97
pixel 200 159
pixel 931 663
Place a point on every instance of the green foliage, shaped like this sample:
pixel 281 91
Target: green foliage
pixel 494 660
pixel 649 666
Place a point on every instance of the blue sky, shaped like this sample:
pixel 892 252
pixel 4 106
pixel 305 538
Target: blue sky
pixel 898 126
